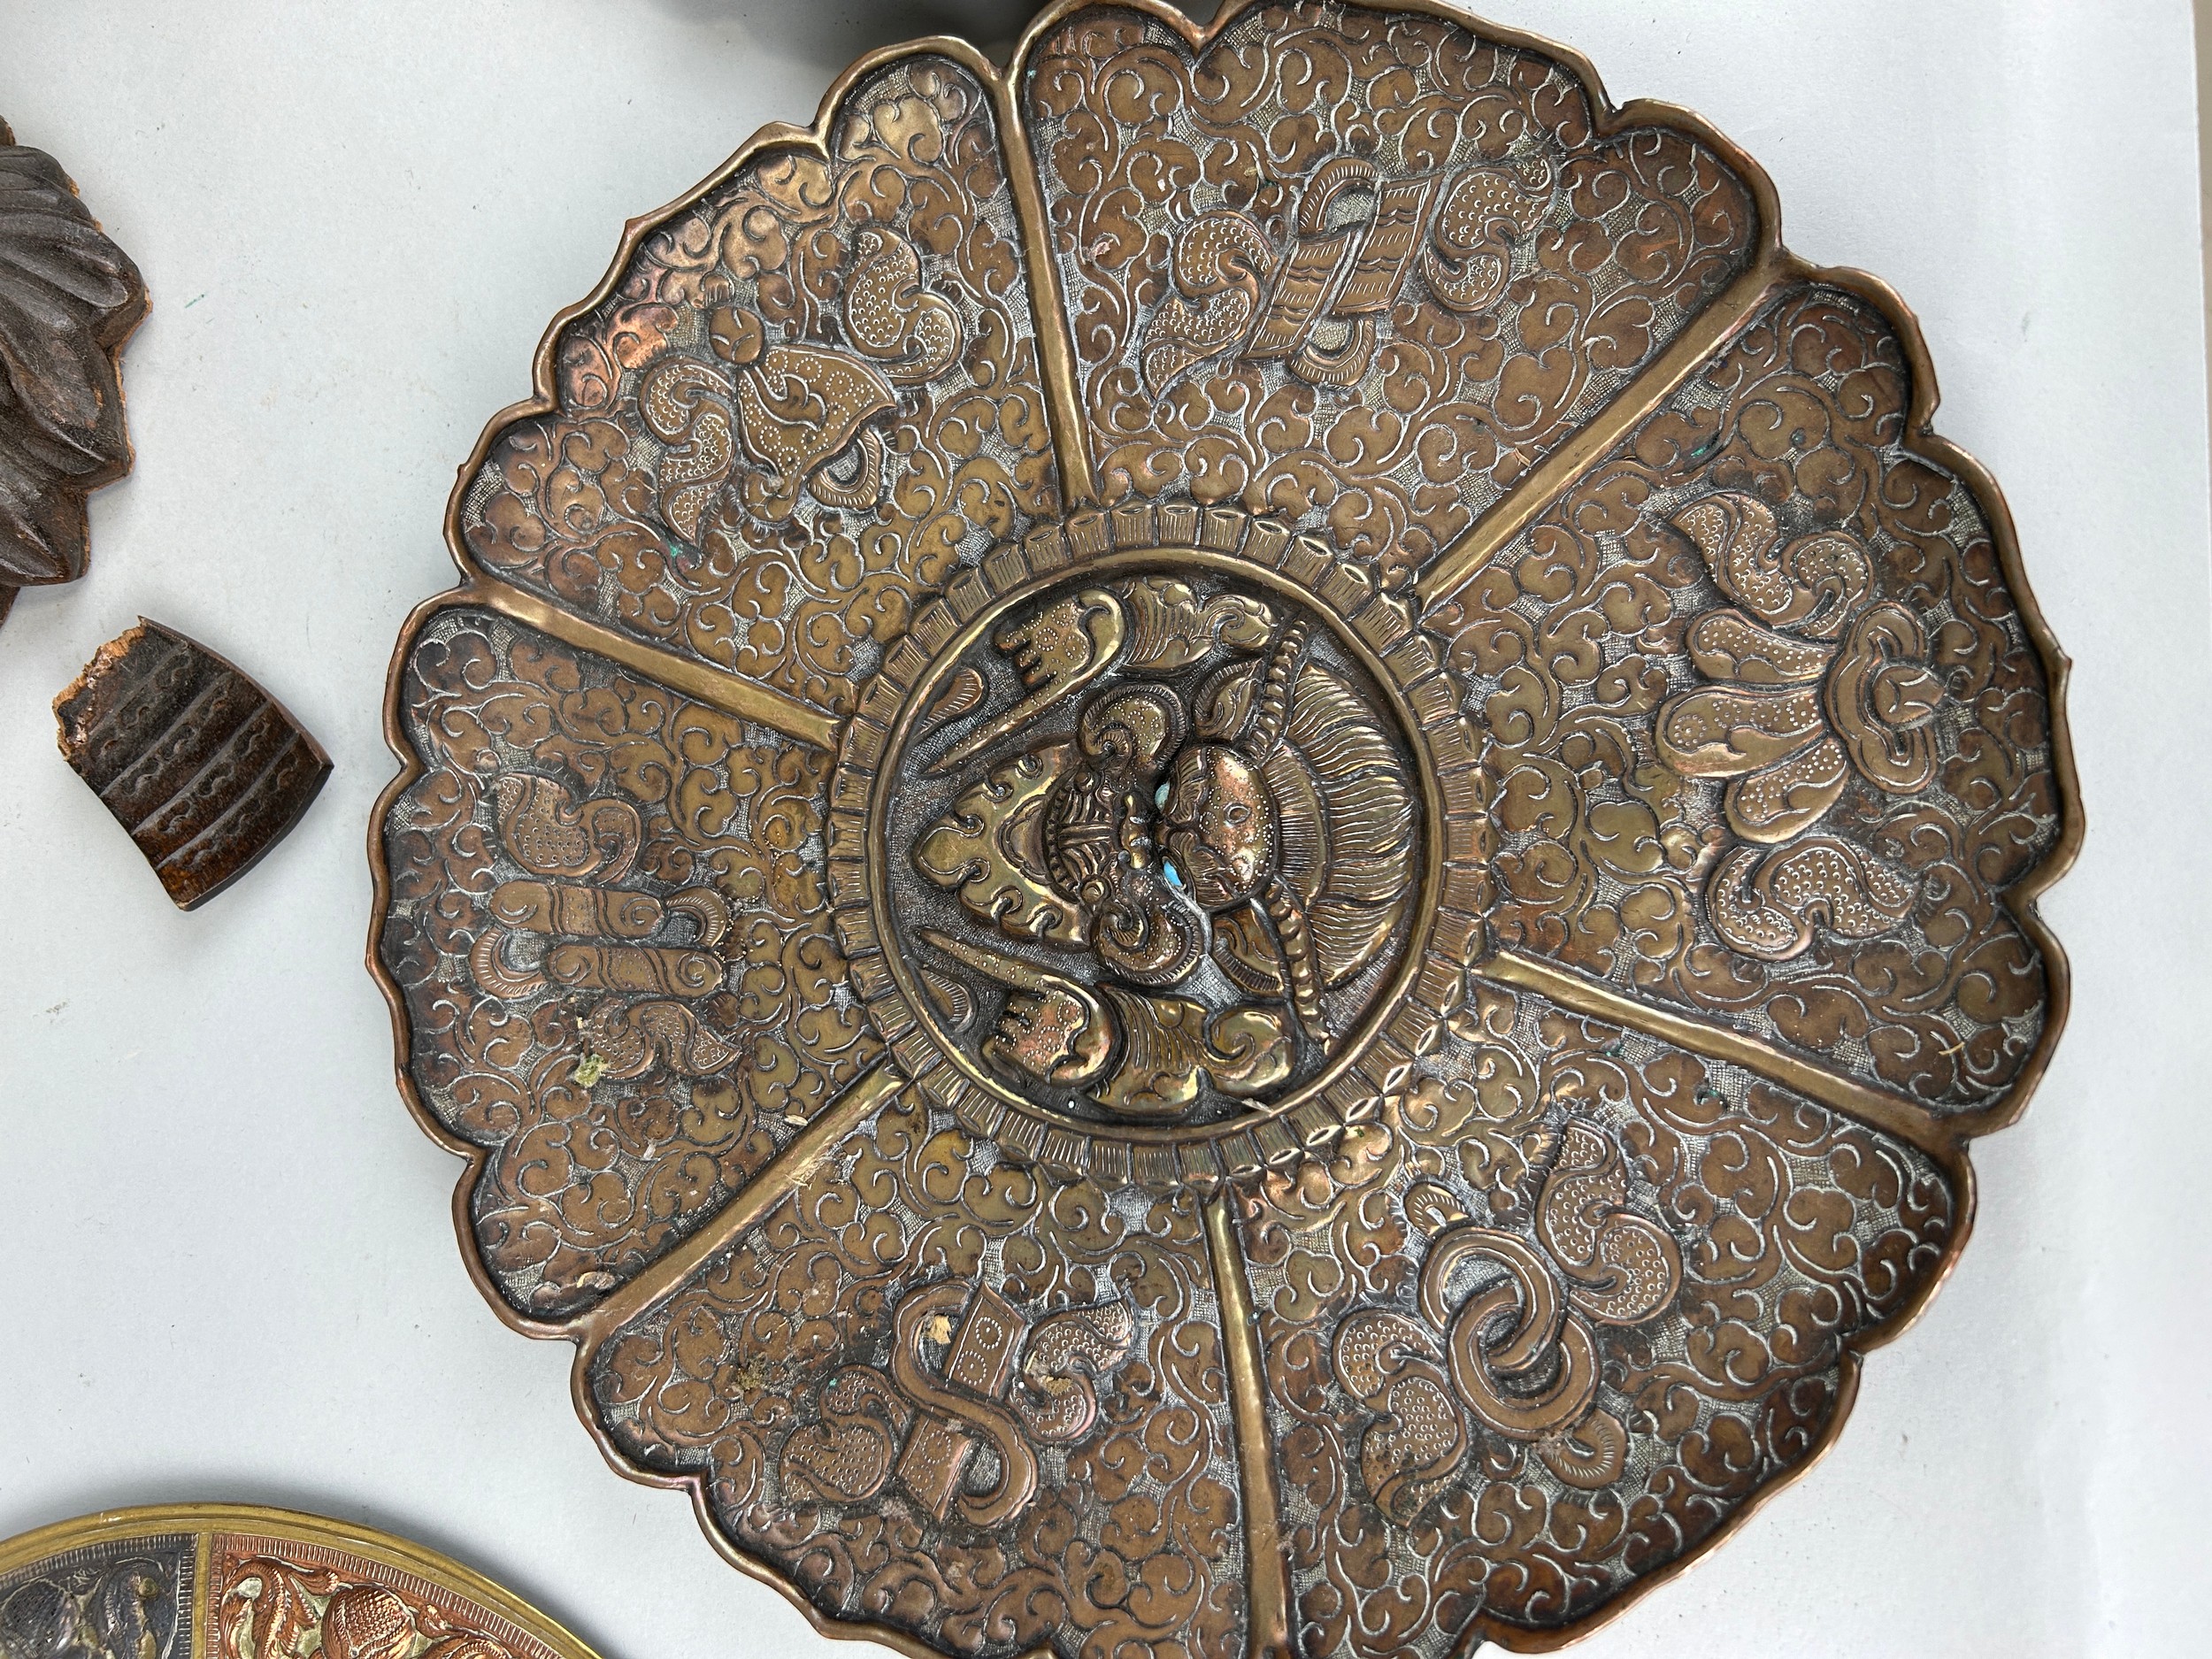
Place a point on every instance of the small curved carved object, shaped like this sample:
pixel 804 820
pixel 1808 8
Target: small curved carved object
pixel 204 769
pixel 69 300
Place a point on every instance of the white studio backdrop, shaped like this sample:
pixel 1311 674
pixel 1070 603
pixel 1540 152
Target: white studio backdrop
pixel 230 1271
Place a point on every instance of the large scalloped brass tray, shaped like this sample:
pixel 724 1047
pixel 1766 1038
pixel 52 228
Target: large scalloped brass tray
pixel 1221 843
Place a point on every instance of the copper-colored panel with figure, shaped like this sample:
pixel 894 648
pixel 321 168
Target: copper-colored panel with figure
pixel 1222 842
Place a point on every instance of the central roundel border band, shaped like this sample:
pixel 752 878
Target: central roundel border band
pixel 1380 628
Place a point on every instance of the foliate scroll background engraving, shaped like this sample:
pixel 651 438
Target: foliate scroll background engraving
pixel 883 1058
pixel 1837 885
pixel 596 878
pixel 1361 268
pixel 812 394
pixel 1411 1456
pixel 1117 1529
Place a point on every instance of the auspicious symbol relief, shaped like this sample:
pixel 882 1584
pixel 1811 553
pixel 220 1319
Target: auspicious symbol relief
pixel 806 413
pixel 811 387
pixel 1519 1352
pixel 1316 306
pixel 1812 684
pixel 1355 265
pixel 558 878
pixel 1584 651
pixel 966 1374
pixel 1195 812
pixel 587 931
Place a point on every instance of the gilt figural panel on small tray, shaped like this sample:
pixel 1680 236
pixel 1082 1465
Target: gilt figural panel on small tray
pixel 1222 842
pixel 231 1581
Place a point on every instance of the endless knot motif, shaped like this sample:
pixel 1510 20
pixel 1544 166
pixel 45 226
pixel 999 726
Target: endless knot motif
pixel 1222 842
pixel 1523 1357
pixel 925 1422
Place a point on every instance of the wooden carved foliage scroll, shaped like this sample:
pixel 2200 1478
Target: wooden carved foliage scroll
pixel 1221 844
pixel 229 1581
pixel 69 300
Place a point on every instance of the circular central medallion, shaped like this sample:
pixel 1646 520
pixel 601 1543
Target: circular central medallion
pixel 1152 843
pixel 1136 840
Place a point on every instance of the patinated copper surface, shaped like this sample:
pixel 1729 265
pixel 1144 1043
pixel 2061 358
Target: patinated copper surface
pixel 228 1581
pixel 69 300
pixel 204 769
pixel 1222 844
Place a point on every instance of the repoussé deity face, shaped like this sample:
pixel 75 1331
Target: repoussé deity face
pixel 1219 825
pixel 1161 830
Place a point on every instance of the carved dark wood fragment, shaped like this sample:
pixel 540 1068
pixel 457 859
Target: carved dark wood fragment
pixel 234 1581
pixel 204 769
pixel 69 299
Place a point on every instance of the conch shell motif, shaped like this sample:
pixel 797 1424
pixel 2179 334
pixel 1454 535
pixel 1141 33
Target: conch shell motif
pixel 1810 684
